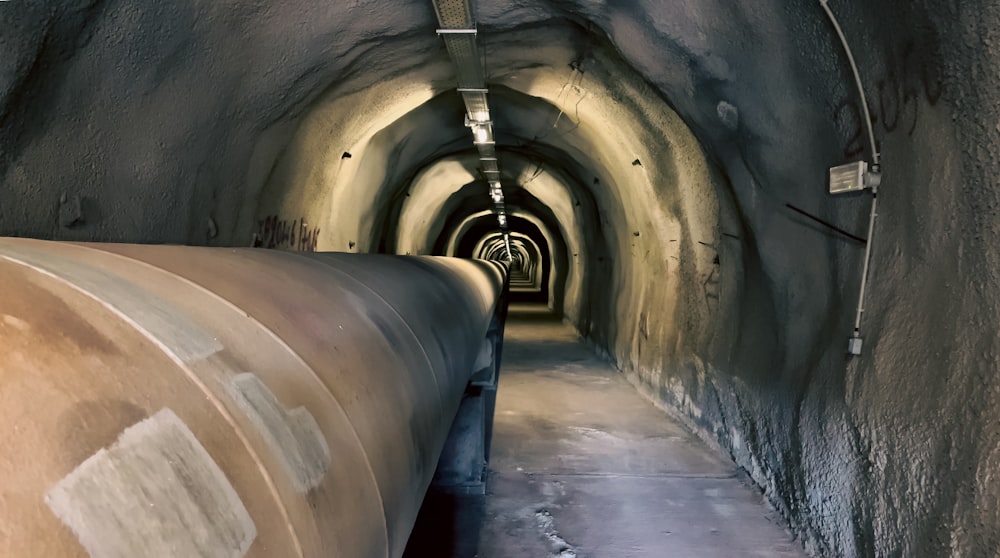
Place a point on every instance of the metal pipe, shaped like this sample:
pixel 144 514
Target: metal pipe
pixel 854 344
pixel 857 80
pixel 864 271
pixel 165 400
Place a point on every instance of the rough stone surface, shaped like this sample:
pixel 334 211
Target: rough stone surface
pixel 691 123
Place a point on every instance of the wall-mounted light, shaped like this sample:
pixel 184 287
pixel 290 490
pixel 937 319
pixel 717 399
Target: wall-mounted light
pixel 854 177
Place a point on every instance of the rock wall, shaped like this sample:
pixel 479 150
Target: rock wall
pixel 658 144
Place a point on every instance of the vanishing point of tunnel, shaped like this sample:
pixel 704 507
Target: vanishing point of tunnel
pixel 539 278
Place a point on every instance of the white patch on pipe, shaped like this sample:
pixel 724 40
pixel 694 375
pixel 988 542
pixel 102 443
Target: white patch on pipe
pixel 159 318
pixel 16 323
pixel 155 493
pixel 294 436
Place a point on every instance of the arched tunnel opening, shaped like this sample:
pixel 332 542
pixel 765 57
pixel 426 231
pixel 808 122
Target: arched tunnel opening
pixel 531 265
pixel 668 212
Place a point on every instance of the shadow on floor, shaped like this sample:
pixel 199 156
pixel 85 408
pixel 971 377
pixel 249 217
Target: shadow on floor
pixel 521 312
pixel 447 527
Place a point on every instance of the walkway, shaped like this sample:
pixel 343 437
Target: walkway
pixel 583 467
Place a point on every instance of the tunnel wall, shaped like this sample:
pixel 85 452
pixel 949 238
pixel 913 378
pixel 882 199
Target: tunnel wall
pixel 162 122
pixel 197 123
pixel 890 453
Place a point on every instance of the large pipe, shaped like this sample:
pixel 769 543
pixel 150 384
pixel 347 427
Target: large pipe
pixel 181 401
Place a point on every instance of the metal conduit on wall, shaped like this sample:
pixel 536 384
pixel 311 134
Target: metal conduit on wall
pixel 181 401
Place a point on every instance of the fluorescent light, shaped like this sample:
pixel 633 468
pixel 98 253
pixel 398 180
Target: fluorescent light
pixel 848 178
pixel 481 134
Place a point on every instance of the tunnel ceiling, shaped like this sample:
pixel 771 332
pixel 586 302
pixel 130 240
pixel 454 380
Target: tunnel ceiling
pixel 655 149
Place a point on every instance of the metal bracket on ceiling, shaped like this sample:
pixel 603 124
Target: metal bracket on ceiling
pixel 458 29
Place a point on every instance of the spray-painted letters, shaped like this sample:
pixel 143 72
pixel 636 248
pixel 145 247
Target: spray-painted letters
pixel 912 73
pixel 273 232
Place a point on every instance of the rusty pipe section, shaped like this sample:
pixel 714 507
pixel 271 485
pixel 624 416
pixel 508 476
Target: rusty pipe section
pixel 183 401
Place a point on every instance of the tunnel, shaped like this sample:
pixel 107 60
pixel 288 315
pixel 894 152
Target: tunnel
pixel 775 223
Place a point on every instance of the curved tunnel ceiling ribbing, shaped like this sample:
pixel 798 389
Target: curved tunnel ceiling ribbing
pixel 220 120
pixel 554 281
pixel 526 261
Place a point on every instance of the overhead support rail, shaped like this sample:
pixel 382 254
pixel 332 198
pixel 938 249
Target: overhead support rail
pixel 457 28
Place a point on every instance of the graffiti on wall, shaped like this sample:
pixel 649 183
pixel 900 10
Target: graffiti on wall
pixel 912 77
pixel 273 232
pixel 710 286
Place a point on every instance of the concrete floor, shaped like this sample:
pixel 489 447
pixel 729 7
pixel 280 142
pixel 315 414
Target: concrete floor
pixel 582 466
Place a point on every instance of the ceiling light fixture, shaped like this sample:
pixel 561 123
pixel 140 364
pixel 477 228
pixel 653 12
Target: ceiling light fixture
pixel 457 28
pixel 481 133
